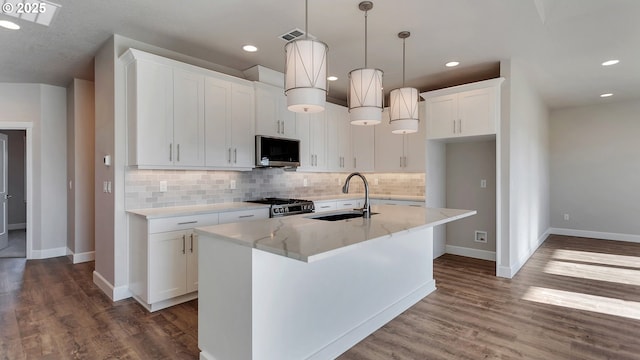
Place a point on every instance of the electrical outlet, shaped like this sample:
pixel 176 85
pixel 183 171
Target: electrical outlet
pixel 481 236
pixel 305 183
pixel 483 183
pixel 566 217
pixel 232 184
pixel 163 185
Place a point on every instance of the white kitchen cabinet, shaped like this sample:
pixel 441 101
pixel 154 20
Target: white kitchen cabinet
pixel 272 116
pixel 163 259
pixel 339 155
pixel 349 204
pixel 463 111
pixel 229 124
pixel 399 152
pixel 362 148
pixel 243 215
pixel 312 132
pixel 322 206
pixel 165 113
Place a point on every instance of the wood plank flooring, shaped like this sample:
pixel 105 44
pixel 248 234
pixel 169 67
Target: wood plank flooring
pixel 50 309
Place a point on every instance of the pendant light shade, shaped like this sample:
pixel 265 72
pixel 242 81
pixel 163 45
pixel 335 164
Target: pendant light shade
pixel 403 108
pixel 365 96
pixel 305 73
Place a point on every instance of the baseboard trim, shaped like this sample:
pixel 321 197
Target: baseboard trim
pixel 48 253
pixel 114 293
pixel 469 252
pixel 18 226
pixel 511 271
pixel 596 235
pixel 81 257
pixel 355 335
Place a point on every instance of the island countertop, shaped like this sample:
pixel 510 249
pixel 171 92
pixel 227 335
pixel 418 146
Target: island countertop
pixel 302 238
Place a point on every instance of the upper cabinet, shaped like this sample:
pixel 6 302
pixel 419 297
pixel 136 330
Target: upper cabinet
pixel 462 111
pixel 229 123
pixel 338 138
pixel 400 152
pixel 272 116
pixel 362 148
pixel 181 116
pixel 312 132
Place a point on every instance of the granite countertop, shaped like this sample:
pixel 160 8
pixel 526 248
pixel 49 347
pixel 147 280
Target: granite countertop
pixel 158 213
pixel 302 238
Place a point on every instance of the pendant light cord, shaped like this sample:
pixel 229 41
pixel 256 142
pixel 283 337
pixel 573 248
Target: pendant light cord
pixel 306 19
pixel 365 38
pixel 403 60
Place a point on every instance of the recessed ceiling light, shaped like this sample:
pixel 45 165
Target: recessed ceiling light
pixel 332 78
pixel 606 95
pixel 610 62
pixel 452 64
pixel 9 25
pixel 249 48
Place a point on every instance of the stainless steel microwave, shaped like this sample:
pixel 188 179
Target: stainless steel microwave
pixel 277 152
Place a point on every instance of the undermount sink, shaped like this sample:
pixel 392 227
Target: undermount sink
pixel 338 216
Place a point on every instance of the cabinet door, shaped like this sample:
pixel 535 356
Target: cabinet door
pixel 303 125
pixel 272 117
pixel 167 265
pixel 217 115
pixel 188 118
pixel 362 141
pixel 338 138
pixel 388 146
pixel 243 125
pixel 318 136
pixel 192 263
pixel 442 116
pixel 476 111
pixel 415 146
pixel 150 113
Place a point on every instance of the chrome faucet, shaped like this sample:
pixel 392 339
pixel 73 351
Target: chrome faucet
pixel 366 209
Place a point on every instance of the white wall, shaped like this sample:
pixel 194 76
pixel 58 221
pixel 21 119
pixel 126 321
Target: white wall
pixel 43 108
pixel 595 170
pixel 525 170
pixel 467 164
pixel 80 170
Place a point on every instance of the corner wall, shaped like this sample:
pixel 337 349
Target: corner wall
pixel 524 154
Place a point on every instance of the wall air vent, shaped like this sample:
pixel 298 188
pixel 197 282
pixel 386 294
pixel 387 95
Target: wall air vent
pixel 294 34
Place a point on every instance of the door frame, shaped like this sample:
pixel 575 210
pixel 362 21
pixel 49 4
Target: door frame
pixel 28 127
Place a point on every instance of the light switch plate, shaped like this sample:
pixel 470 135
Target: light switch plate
pixel 232 184
pixel 163 186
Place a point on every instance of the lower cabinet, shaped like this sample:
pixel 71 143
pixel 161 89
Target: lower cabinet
pixel 163 255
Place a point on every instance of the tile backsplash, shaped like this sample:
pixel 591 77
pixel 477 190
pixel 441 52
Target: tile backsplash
pixel 142 187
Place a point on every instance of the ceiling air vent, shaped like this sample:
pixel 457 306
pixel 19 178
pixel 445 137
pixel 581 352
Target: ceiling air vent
pixel 294 34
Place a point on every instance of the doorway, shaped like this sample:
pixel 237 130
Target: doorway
pixel 19 189
pixel 14 243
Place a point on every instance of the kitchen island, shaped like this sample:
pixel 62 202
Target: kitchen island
pixel 303 288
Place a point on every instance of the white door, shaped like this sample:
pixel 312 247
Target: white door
pixel 4 235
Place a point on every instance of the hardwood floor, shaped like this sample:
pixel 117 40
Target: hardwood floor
pixel 50 309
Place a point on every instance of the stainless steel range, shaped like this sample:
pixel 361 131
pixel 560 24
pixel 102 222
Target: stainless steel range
pixel 284 207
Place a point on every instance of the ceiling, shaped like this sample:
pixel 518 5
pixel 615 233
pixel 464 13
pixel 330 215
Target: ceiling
pixel 560 43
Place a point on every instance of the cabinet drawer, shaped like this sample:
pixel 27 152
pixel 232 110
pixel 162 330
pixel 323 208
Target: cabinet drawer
pixel 322 206
pixel 348 204
pixel 182 222
pixel 243 215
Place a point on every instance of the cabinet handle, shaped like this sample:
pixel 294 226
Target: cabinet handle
pixel 348 204
pixel 460 125
pixel 354 163
pixel 279 126
pixel 454 126
pixel 170 152
pixel 188 222
pixel 246 216
pixel 405 161
pixel 191 249
pixel 283 128
pixel 325 207
pixel 235 155
pixel 178 156
pixel 229 156
pixel 184 239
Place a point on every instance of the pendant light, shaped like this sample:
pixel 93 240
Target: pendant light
pixel 403 108
pixel 365 87
pixel 305 72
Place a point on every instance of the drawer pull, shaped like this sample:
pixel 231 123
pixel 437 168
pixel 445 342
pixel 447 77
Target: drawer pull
pixel 191 244
pixel 183 243
pixel 246 216
pixel 325 207
pixel 349 204
pixel 188 222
